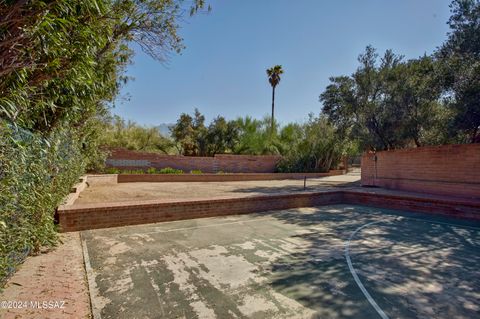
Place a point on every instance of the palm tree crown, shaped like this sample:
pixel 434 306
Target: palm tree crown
pixel 274 75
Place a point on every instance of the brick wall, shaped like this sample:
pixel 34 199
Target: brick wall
pixel 444 170
pixel 75 218
pixel 413 202
pixel 126 159
pixel 158 178
pixel 83 217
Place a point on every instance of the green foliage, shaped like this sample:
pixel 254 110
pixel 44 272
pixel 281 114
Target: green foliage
pixel 242 136
pixel 431 100
pixel 257 138
pixel 460 69
pixel 36 175
pixel 221 136
pixel 189 134
pixel 129 135
pixel 169 170
pixel 112 170
pixel 193 138
pixel 196 172
pixel 387 104
pixel 315 148
pixel 273 74
pixel 58 78
pixel 63 60
pixel 152 170
pixel 63 63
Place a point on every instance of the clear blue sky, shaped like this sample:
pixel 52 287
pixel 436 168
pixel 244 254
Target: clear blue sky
pixel 222 70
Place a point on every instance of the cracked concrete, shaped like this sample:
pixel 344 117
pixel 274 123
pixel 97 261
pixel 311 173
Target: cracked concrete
pixel 287 264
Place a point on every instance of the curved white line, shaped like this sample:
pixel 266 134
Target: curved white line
pixel 354 273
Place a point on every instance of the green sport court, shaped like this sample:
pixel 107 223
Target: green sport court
pixel 337 261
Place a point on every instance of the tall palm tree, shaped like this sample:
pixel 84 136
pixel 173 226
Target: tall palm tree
pixel 274 79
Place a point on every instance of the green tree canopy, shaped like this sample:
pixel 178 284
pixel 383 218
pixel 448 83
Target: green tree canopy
pixel 62 61
pixel 387 103
pixel 222 136
pixel 460 65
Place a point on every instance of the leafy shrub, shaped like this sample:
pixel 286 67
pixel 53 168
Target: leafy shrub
pixel 318 149
pixel 169 170
pixel 152 170
pixel 130 135
pixel 196 171
pixel 112 170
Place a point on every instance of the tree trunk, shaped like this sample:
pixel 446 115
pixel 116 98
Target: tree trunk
pixel 273 108
pixel 417 142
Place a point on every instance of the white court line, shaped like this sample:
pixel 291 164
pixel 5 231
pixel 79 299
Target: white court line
pixel 354 273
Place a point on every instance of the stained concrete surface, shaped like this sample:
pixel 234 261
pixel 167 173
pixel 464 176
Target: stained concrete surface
pixel 124 192
pixel 288 264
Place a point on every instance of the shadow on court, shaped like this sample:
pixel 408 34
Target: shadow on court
pixel 287 264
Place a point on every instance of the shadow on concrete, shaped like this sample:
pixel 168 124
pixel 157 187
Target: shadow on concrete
pixel 412 268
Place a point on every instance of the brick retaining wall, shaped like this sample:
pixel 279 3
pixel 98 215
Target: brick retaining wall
pixel 75 218
pixel 126 159
pixel 437 205
pixel 82 217
pixel 447 170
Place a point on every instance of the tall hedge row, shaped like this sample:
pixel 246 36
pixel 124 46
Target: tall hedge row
pixel 36 175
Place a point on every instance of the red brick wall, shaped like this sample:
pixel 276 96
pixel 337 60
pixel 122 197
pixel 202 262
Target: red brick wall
pixel 444 170
pixel 127 159
pixel 82 217
pixel 75 218
pixel 430 204
pixel 132 178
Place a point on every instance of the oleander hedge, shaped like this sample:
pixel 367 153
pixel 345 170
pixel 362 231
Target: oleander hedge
pixel 36 173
